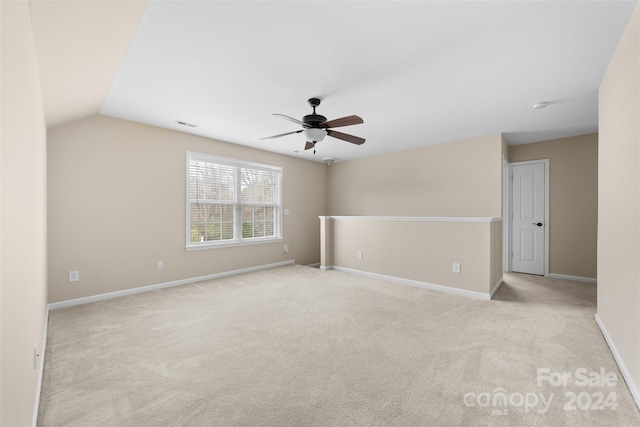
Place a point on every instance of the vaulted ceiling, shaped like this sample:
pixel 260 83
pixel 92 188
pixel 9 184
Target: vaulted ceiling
pixel 417 72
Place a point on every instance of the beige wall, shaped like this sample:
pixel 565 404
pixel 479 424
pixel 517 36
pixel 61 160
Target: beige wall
pixel 22 217
pixel 573 201
pixel 460 178
pixel 117 206
pixel 619 202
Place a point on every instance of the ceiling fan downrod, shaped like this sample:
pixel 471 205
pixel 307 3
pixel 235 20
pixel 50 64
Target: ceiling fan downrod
pixel 314 102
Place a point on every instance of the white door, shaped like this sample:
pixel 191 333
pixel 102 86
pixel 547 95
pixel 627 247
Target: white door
pixel 528 221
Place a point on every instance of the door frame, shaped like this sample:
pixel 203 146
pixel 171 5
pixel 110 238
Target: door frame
pixel 506 216
pixel 546 163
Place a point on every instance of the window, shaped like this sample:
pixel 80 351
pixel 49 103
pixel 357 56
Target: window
pixel 231 202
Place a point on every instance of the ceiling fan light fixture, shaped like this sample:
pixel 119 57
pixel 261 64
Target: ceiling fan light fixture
pixel 540 105
pixel 315 134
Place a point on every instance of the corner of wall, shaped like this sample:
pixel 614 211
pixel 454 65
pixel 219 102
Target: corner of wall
pixel 618 312
pixel 23 276
pixel 505 147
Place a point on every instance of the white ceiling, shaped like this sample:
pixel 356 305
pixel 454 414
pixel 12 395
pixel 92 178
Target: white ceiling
pixel 417 72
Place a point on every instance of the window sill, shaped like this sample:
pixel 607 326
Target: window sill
pixel 232 244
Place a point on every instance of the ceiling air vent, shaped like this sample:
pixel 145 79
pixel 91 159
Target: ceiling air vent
pixel 191 125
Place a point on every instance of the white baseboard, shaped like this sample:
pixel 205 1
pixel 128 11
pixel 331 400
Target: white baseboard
pixel 315 265
pixel 496 288
pixel 633 388
pixel 574 278
pixel 43 349
pixel 409 282
pixel 132 291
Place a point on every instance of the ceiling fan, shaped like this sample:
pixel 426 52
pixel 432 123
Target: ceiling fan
pixel 316 127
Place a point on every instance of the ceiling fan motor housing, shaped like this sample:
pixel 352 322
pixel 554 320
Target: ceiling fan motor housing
pixel 314 120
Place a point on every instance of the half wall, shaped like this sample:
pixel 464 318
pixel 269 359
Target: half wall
pixel 419 251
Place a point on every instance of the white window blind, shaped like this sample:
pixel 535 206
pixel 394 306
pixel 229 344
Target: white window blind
pixel 231 201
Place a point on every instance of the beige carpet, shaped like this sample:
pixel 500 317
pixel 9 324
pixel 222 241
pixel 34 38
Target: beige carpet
pixel 297 346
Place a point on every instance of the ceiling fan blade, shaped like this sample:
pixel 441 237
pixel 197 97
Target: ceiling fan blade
pixel 345 137
pixel 309 145
pixel 282 134
pixel 291 119
pixel 343 121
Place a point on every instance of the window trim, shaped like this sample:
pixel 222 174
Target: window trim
pixel 240 241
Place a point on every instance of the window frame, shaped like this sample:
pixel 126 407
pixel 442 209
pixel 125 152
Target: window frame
pixel 237 204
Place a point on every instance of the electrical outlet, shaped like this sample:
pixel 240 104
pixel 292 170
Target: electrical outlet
pixel 286 249
pixel 456 267
pixel 359 254
pixel 74 276
pixel 160 265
